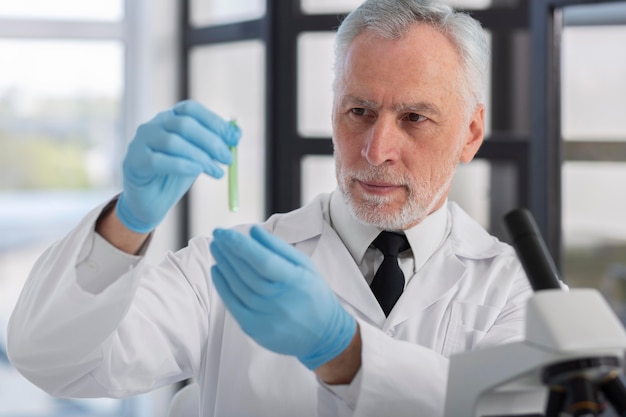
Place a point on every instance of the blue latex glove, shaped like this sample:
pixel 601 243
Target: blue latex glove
pixel 278 298
pixel 165 158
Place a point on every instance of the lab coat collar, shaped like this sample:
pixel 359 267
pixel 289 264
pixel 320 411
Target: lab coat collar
pixel 308 221
pixel 310 232
pixel 469 239
pixel 302 224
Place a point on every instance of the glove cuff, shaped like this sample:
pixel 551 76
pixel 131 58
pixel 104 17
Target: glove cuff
pixel 129 220
pixel 337 338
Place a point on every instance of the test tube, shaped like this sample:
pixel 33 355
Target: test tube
pixel 233 191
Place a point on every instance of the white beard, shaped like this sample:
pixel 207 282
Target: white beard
pixel 422 196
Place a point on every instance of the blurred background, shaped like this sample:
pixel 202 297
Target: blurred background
pixel 77 78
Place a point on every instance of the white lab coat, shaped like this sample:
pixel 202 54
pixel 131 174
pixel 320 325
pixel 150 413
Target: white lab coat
pixel 158 324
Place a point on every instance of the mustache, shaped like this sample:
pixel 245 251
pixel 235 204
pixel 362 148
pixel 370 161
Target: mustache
pixel 379 173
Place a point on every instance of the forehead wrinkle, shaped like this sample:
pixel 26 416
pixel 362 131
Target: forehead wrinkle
pixel 359 101
pixel 420 107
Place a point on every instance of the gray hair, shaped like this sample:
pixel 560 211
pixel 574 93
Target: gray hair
pixel 392 18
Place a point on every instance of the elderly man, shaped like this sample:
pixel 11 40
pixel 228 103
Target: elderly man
pixel 350 305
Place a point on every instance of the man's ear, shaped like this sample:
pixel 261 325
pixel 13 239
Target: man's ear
pixel 474 135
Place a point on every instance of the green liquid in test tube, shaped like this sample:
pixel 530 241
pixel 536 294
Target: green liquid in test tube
pixel 233 191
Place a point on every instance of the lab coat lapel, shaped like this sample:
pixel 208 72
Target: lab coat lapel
pixel 440 275
pixel 339 269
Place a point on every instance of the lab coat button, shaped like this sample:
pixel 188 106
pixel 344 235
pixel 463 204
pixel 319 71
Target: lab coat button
pixel 93 266
pixel 391 332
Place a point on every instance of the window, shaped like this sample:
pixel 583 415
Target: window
pixel 594 133
pixel 95 10
pixel 62 131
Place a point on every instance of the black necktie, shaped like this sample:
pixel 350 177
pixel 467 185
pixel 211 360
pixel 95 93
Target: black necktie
pixel 388 282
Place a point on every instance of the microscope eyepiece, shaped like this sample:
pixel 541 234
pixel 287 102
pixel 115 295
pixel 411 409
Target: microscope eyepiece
pixel 531 250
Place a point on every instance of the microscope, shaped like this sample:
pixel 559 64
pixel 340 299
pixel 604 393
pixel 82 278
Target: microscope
pixel 568 364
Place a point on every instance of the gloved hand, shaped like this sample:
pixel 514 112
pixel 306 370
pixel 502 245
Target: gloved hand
pixel 278 298
pixel 165 158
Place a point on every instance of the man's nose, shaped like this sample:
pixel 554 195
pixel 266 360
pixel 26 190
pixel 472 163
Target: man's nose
pixel 381 143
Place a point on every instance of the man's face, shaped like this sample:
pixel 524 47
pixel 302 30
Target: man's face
pixel 401 126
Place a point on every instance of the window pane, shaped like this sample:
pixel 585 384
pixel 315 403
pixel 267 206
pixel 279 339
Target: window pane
pixel 329 6
pixel 229 80
pixel 470 190
pixel 593 105
pixel 60 123
pixel 213 12
pixel 486 190
pixel 593 83
pixel 315 78
pixel 107 10
pixel 345 6
pixel 594 229
pixel 318 176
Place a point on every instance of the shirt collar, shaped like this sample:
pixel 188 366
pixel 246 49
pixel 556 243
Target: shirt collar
pixel 424 238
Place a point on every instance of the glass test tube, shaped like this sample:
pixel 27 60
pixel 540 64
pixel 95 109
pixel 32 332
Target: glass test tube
pixel 233 191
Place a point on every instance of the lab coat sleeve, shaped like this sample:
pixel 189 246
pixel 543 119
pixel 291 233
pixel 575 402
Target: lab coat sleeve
pixel 397 378
pixel 76 339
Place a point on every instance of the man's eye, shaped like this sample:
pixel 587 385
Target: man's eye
pixel 415 117
pixel 358 111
